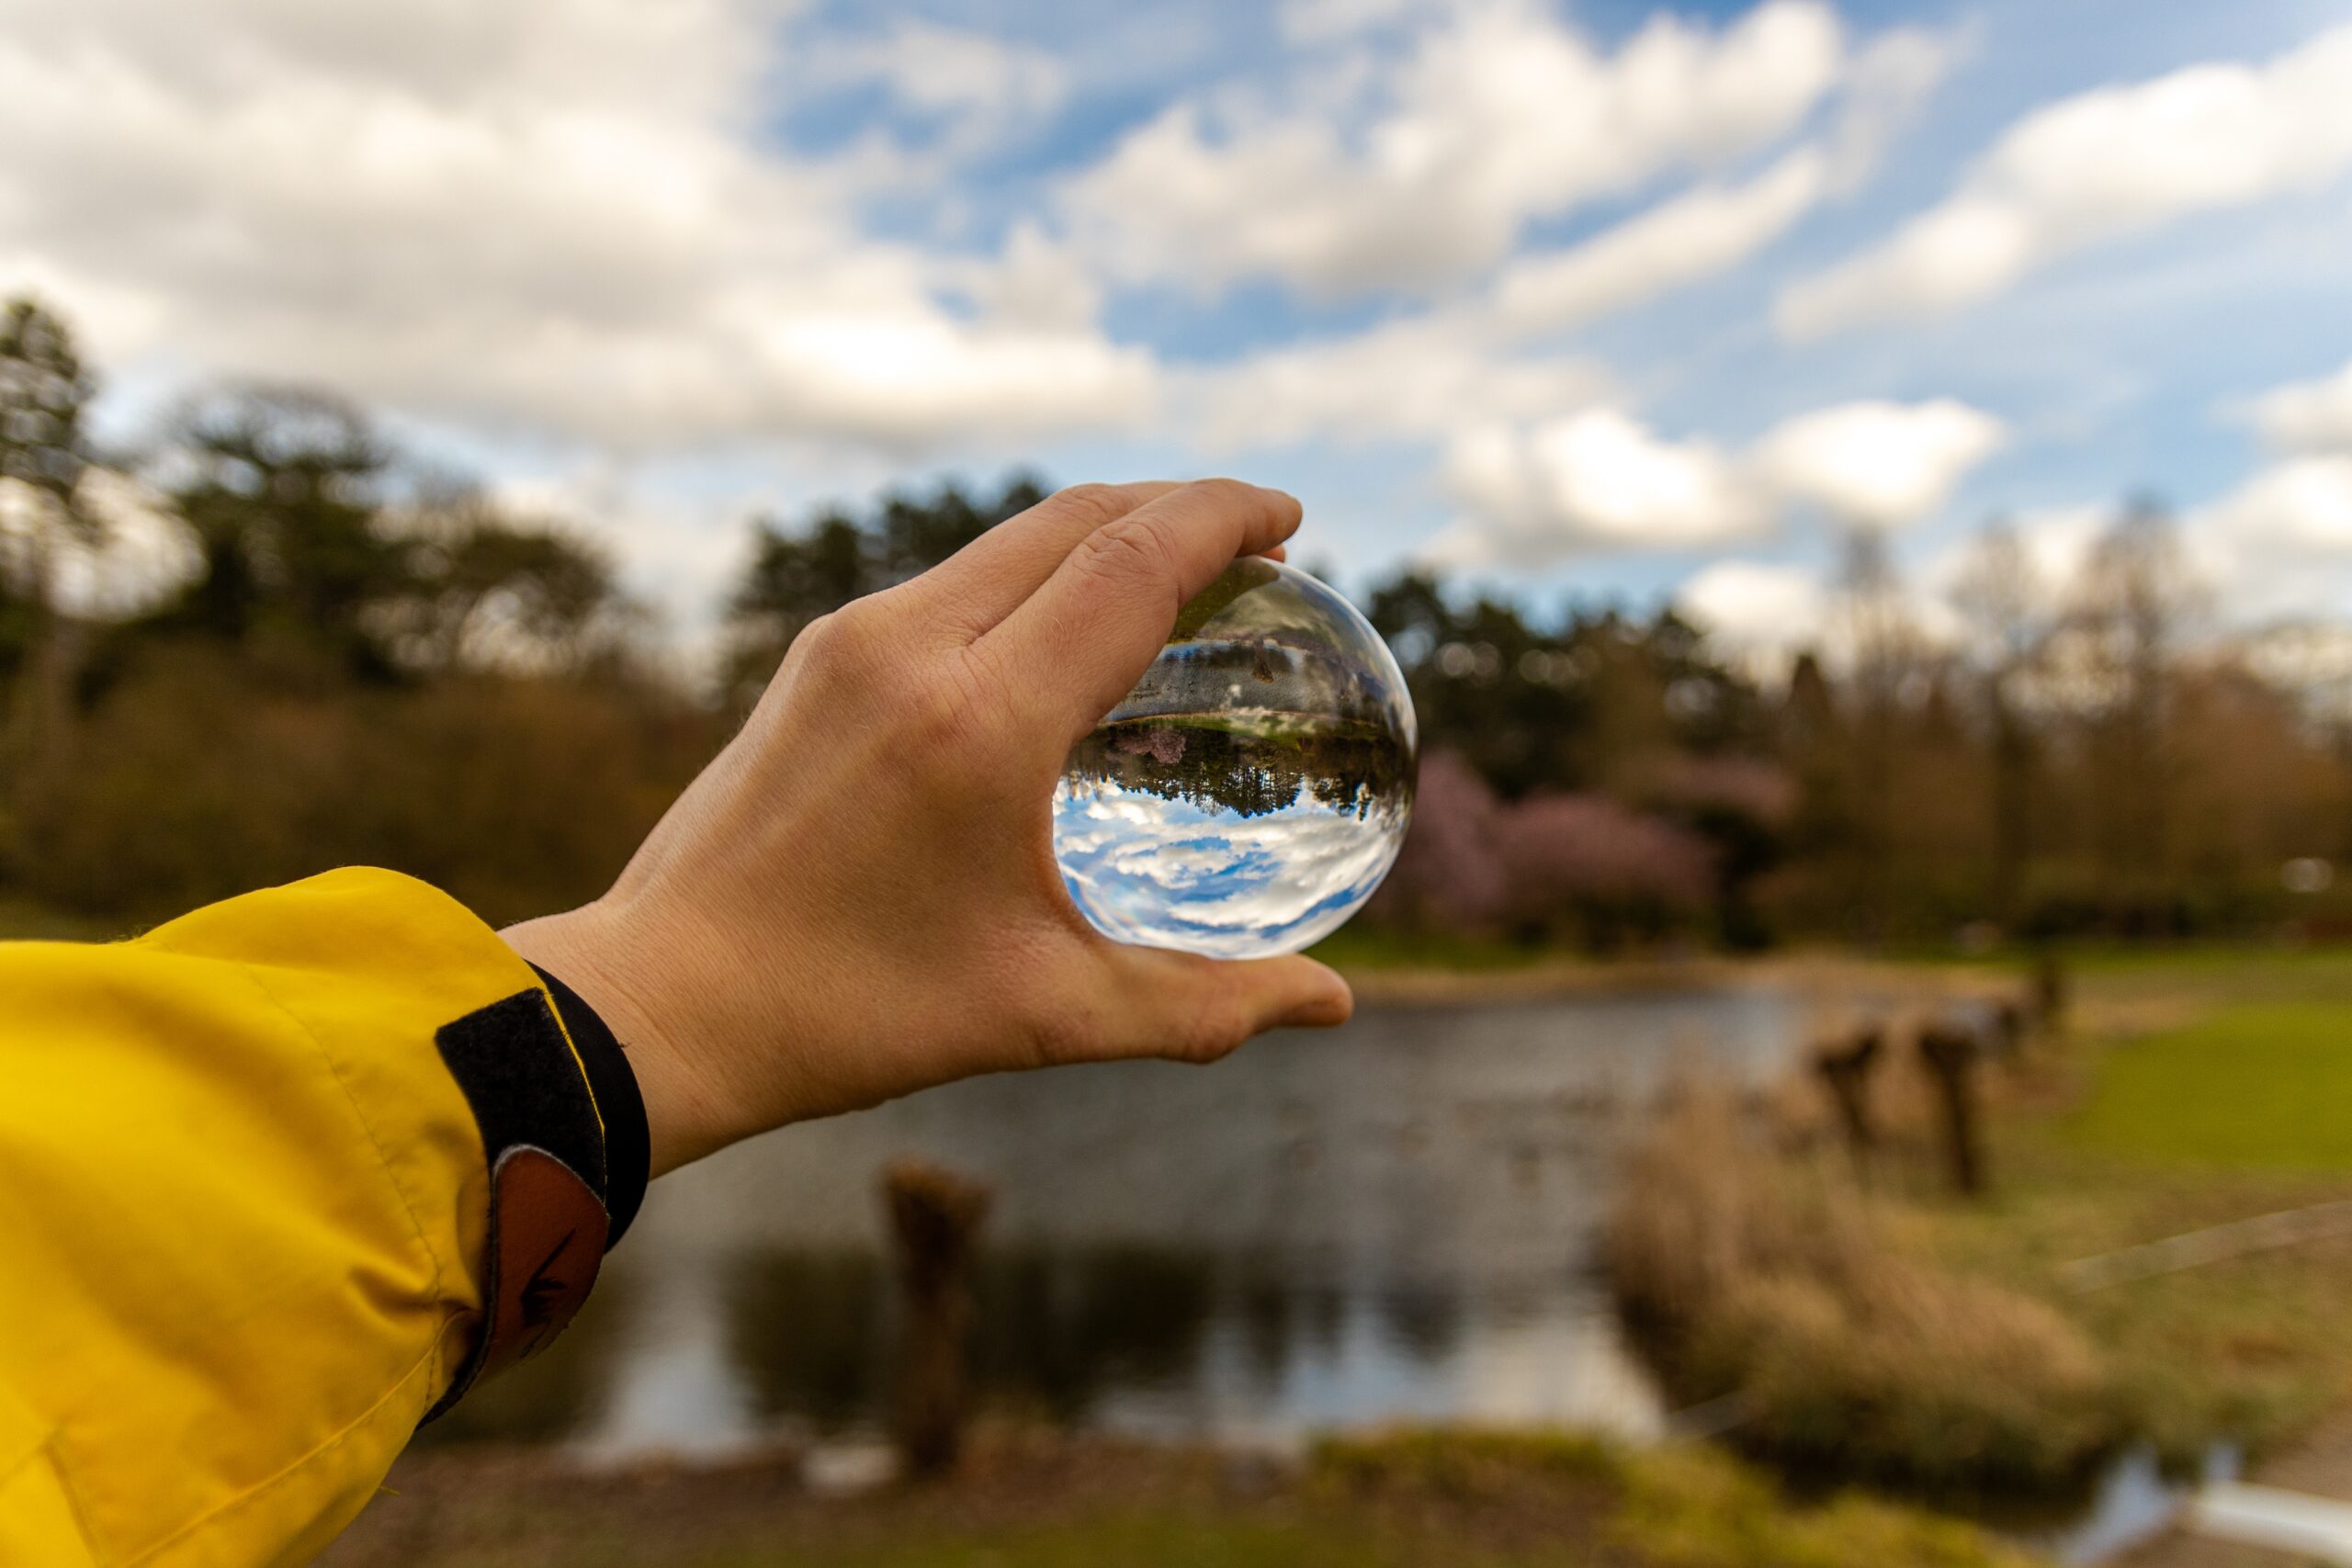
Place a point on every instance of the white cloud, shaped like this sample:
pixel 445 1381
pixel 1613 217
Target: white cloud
pixel 1463 365
pixel 1696 235
pixel 2303 506
pixel 1326 21
pixel 552 215
pixel 1765 613
pixel 1877 464
pixel 2277 547
pixel 1714 227
pixel 2281 544
pixel 1599 479
pixel 1411 379
pixel 1220 880
pixel 1592 481
pixel 2094 167
pixel 2060 540
pixel 1887 84
pixel 560 219
pixel 1468 362
pixel 1500 116
pixel 1756 606
pixel 951 70
pixel 683 551
pixel 2309 416
pixel 980 89
pixel 2056 542
pixel 1037 282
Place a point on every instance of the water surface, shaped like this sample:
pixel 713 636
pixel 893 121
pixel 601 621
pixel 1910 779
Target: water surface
pixel 1394 1220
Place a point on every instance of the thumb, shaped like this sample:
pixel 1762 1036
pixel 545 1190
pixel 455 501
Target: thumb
pixel 1195 1009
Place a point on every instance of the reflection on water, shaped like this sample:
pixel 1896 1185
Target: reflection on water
pixel 1177 1343
pixel 1055 1333
pixel 2133 1501
pixel 1391 1222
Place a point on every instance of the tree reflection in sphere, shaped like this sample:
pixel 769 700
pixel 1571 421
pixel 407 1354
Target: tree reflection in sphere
pixel 1252 790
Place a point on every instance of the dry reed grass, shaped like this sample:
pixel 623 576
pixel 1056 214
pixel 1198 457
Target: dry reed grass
pixel 1768 1277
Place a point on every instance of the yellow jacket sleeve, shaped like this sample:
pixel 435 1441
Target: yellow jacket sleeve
pixel 243 1214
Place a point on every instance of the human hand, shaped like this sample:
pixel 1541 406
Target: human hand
pixel 858 897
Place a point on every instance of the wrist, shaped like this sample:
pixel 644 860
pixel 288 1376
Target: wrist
pixel 592 950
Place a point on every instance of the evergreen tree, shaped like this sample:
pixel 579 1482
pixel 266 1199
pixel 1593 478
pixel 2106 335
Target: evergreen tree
pixel 284 490
pixel 46 457
pixel 797 575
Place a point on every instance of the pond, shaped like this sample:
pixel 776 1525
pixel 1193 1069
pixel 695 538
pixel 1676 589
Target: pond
pixel 1396 1221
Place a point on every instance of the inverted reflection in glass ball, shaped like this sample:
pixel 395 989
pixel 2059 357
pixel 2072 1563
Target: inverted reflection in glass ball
pixel 1252 790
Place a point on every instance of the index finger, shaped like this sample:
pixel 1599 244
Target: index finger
pixel 992 576
pixel 1096 623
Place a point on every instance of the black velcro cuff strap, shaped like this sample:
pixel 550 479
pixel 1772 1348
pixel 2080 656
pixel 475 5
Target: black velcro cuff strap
pixel 628 1144
pixel 547 1158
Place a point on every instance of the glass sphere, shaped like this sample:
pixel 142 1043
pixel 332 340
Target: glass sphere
pixel 1252 790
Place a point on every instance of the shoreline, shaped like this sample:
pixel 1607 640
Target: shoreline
pixel 1824 974
pixel 1035 1497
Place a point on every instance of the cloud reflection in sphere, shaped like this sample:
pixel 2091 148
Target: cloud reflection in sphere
pixel 1251 793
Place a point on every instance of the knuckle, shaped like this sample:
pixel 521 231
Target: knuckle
pixel 1100 503
pixel 952 720
pixel 826 641
pixel 1132 548
pixel 815 653
pixel 862 622
pixel 848 650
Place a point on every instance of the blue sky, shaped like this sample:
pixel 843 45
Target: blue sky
pixel 1596 300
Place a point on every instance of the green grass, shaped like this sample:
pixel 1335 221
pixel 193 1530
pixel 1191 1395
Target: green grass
pixel 2217 970
pixel 2202 1086
pixel 1680 1505
pixel 2251 1086
pixel 2252 1349
pixel 2215 1085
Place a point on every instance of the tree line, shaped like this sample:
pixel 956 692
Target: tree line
pixel 346 656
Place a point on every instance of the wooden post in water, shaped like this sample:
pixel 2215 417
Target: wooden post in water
pixel 1951 1056
pixel 1846 1069
pixel 935 1221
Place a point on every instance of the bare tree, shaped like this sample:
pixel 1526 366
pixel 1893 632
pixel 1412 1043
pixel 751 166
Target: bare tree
pixel 1884 648
pixel 2008 606
pixel 2128 627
